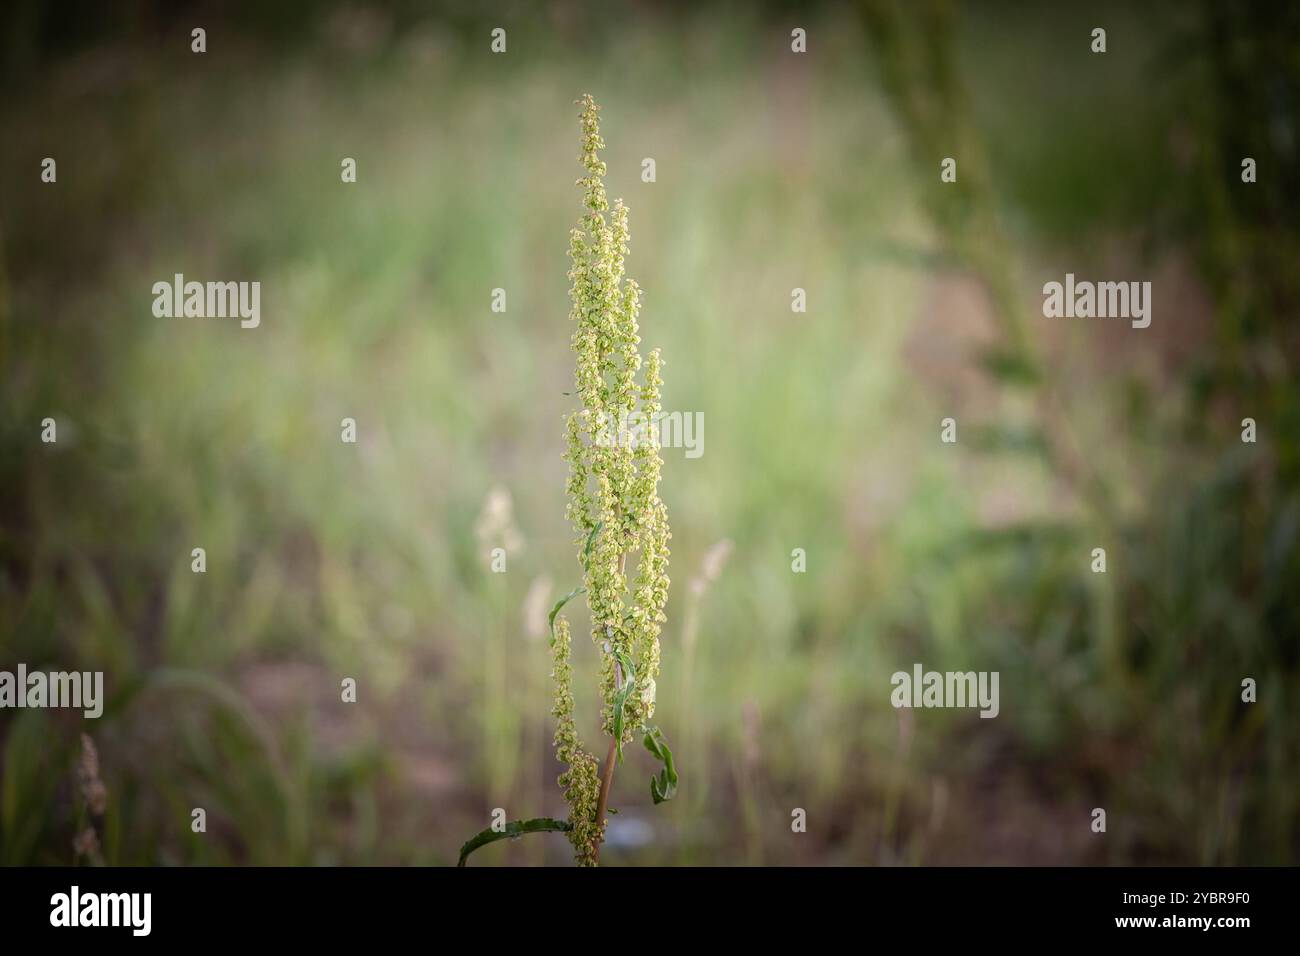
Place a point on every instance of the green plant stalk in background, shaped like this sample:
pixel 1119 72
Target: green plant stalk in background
pixel 616 511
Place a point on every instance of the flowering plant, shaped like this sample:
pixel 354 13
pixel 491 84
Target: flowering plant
pixel 616 512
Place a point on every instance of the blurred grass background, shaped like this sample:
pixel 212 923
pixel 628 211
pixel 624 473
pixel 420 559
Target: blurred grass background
pixel 774 170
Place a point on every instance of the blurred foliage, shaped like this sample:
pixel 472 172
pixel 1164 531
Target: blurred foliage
pixel 328 560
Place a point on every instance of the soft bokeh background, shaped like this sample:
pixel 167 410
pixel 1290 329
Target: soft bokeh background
pixel 775 171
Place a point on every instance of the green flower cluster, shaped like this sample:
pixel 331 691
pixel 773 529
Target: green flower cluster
pixel 581 780
pixel 613 486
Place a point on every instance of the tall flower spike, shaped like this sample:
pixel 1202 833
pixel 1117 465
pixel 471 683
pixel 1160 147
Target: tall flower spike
pixel 614 504
pixel 614 471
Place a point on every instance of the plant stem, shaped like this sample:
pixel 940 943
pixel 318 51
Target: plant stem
pixel 606 782
pixel 607 777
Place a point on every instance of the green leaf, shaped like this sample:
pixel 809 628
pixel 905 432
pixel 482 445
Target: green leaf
pixel 663 787
pixel 515 828
pixel 586 550
pixel 560 603
pixel 629 682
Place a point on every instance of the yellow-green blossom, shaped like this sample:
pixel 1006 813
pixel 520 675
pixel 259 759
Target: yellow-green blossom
pixel 580 780
pixel 613 484
pixel 615 508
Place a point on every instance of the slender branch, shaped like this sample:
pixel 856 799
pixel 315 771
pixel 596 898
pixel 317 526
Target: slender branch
pixel 606 782
pixel 607 777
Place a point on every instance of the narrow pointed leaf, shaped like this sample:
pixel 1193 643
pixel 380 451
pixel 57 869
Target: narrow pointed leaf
pixel 514 828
